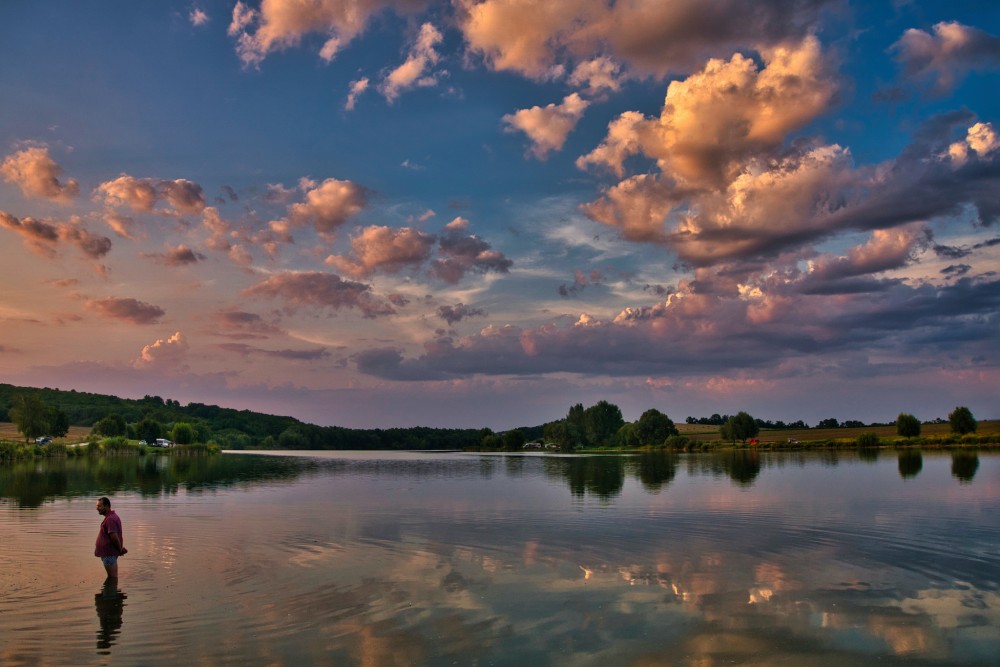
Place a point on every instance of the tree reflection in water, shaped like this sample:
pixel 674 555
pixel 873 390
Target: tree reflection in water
pixel 911 462
pixel 964 465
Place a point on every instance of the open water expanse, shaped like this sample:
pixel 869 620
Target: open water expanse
pixel 378 559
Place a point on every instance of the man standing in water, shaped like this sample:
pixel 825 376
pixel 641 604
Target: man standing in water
pixel 110 539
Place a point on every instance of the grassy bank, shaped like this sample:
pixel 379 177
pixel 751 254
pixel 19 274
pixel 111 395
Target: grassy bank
pixel 16 451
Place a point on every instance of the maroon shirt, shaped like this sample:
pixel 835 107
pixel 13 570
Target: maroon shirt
pixel 104 546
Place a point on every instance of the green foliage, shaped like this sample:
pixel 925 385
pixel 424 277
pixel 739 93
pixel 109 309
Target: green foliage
pixel 868 439
pixel 182 433
pixel 563 434
pixel 601 422
pixel 58 422
pixel 112 425
pixel 30 415
pixel 513 441
pixel 907 425
pixel 678 442
pixel 148 429
pixel 741 426
pixel 654 427
pixel 625 438
pixel 962 421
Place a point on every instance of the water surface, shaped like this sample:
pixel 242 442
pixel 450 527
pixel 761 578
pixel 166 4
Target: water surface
pixel 381 558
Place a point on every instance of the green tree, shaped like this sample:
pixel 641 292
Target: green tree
pixel 962 421
pixel 907 425
pixel 58 422
pixel 513 441
pixel 625 437
pixel 30 415
pixel 654 427
pixel 111 425
pixel 601 422
pixel 183 433
pixel 563 434
pixel 740 426
pixel 148 429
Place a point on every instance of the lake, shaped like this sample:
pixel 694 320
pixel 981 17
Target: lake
pixel 394 558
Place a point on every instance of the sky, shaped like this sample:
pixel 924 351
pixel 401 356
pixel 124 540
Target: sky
pixel 468 213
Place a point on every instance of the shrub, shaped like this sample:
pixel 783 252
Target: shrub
pixel 868 439
pixel 962 421
pixel 678 442
pixel 907 425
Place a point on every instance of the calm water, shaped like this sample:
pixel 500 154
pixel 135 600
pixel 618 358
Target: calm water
pixel 384 559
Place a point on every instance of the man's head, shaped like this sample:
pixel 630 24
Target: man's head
pixel 103 506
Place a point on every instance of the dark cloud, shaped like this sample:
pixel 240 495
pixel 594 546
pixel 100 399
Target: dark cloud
pixel 126 309
pixel 179 256
pixel 945 57
pixel 297 355
pixel 240 324
pixel 43 237
pixel 326 290
pixel 458 312
pixel 466 253
pixel 954 270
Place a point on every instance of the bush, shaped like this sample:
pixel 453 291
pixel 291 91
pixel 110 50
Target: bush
pixel 907 425
pixel 868 440
pixel 678 442
pixel 962 421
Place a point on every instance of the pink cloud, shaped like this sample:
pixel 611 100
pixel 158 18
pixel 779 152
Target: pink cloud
pixel 37 175
pixel 382 248
pixel 177 256
pixel 126 309
pixel 329 205
pixel 943 58
pixel 142 195
pixel 414 71
pixel 547 127
pixel 325 290
pixel 43 237
pixel 164 354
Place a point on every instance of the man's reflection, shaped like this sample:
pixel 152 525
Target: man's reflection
pixel 110 603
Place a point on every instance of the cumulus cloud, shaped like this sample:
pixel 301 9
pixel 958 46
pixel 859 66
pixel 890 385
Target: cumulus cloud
pixel 198 17
pixel 718 117
pixel 280 24
pixel 597 76
pixel 650 36
pixel 886 249
pixel 458 312
pixel 37 175
pixel 165 354
pixel 356 89
pixel 328 205
pixel 981 140
pixel 378 248
pixel 126 309
pixel 466 253
pixel 43 238
pixel 548 126
pixel 142 194
pixel 414 71
pixel 180 255
pixel 946 56
pixel 325 290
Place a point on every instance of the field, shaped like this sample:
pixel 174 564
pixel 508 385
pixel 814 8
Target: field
pixel 76 434
pixel 702 432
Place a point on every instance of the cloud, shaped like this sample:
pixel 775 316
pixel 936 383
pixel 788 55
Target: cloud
pixel 458 312
pixel 727 112
pixel 177 256
pixel 198 17
pixel 413 72
pixel 945 57
pixel 126 309
pixel 887 249
pixel 384 249
pixel 42 238
pixel 651 37
pixel 122 225
pixel 548 126
pixel 37 175
pixel 981 139
pixel 328 205
pixel 142 194
pixel 295 355
pixel 167 355
pixel 463 254
pixel 325 290
pixel 597 76
pixel 280 24
pixel 241 324
pixel 356 89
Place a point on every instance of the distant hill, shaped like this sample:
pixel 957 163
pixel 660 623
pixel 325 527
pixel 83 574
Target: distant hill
pixel 241 429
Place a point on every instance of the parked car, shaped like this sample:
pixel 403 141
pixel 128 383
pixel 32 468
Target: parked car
pixel 162 442
pixel 44 440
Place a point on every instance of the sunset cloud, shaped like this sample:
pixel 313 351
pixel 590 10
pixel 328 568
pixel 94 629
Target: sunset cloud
pixel 384 249
pixel 294 355
pixel 142 194
pixel 458 312
pixel 177 256
pixel 946 56
pixel 548 126
pixel 43 238
pixel 466 253
pixel 37 175
pixel 126 309
pixel 356 89
pixel 165 354
pixel 328 205
pixel 324 290
pixel 240 324
pixel 414 72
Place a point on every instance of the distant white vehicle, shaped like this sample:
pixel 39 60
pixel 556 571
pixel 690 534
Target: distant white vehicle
pixel 44 440
pixel 162 442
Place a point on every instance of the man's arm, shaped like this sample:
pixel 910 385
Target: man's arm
pixel 116 540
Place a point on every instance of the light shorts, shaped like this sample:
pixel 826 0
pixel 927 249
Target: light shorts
pixel 109 560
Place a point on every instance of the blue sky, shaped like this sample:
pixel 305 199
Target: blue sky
pixel 479 212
